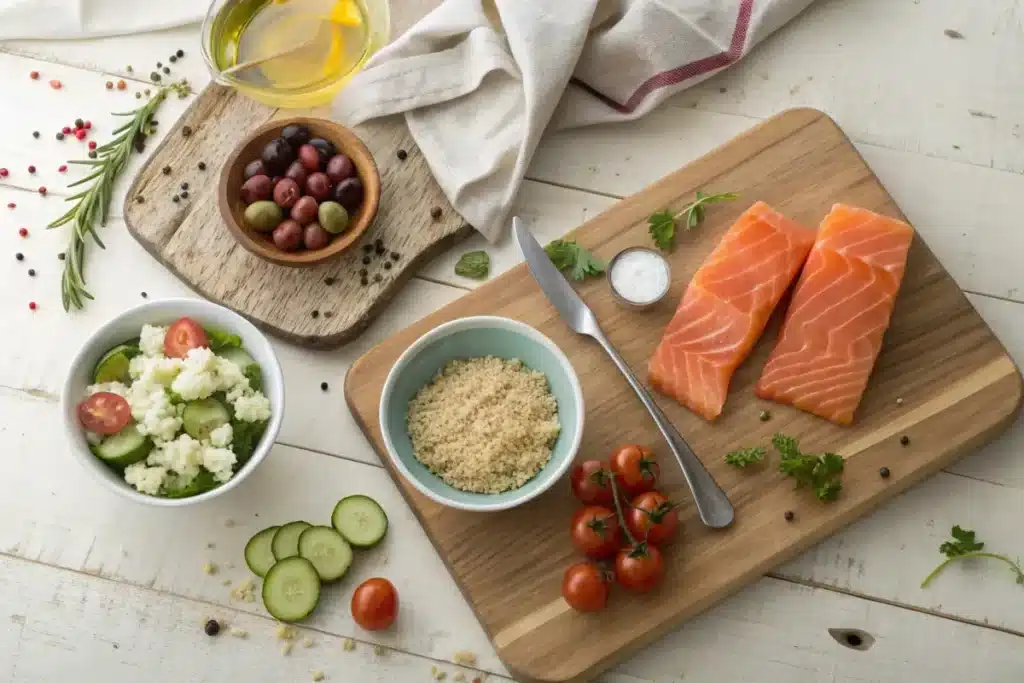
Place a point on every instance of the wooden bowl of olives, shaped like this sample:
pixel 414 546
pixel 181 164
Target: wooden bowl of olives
pixel 299 191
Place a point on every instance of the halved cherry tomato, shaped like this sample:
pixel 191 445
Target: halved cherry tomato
pixel 639 568
pixel 635 468
pixel 591 482
pixel 104 413
pixel 652 517
pixel 595 532
pixel 182 336
pixel 375 604
pixel 585 587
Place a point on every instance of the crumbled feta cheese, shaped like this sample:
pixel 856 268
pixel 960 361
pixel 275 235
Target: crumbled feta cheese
pixel 228 374
pixel 459 677
pixel 286 649
pixel 285 632
pixel 113 387
pixel 219 461
pixel 183 455
pixel 197 378
pixel 145 479
pixel 176 481
pixel 252 408
pixel 348 644
pixel 157 371
pixel 151 340
pixel 465 658
pixel 244 591
pixel 318 675
pixel 209 568
pixel 153 411
pixel 221 436
pixel 239 632
pixel 437 674
pixel 308 643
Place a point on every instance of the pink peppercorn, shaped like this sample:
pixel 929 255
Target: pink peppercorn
pixel 34 75
pixel 32 305
pixel 80 133
pixel 4 173
pixel 56 85
pixel 88 125
pixel 42 190
pixel 23 232
pixel 66 130
pixel 63 168
pixel 11 205
pixel 31 169
pixel 92 144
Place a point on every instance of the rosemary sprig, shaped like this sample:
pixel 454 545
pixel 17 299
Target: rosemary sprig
pixel 93 205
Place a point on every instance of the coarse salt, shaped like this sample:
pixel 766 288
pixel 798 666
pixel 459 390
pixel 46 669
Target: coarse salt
pixel 640 276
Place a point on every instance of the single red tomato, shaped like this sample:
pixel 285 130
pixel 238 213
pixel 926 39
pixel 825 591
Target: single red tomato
pixel 375 604
pixel 595 532
pixel 182 336
pixel 639 568
pixel 652 518
pixel 104 413
pixel 591 482
pixel 635 468
pixel 585 587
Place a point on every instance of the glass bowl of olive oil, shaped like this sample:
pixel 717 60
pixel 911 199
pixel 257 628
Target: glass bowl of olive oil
pixel 302 52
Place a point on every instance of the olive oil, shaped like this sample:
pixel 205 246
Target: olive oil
pixel 334 37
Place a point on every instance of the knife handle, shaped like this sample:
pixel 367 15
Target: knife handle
pixel 712 504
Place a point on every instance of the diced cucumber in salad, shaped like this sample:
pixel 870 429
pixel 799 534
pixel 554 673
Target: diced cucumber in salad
pixel 177 410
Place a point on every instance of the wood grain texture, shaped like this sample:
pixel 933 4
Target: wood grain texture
pixel 958 385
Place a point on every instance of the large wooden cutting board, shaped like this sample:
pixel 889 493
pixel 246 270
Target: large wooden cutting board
pixel 958 387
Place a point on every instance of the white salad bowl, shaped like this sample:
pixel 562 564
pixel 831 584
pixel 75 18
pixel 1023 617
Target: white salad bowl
pixel 126 326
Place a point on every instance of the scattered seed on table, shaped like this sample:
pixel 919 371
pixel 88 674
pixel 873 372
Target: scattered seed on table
pixel 110 85
pixel 129 68
pixel 184 186
pixel 35 134
pixel 19 256
pixel 166 170
pixel 323 386
pixel 11 205
pixel 66 130
pixel 92 154
pixel 387 265
pixel 327 314
pixel 328 280
pixel 60 136
pixel 172 59
pixel 42 190
pixel 22 231
pixel 202 165
pixel 904 440
pixel 32 305
pixel 378 242
pixel 366 260
pixel 179 54
pixel 31 169
pixel 167 70
pixel 402 155
pixel 138 96
pixel 159 64
pixel 87 125
pixel 79 123
pixel 764 416
pixel 363 281
pixel 60 256
pixel 34 75
pixel 395 256
pixel 92 144
pixel 31 272
pixel 184 195
pixel 788 515
pixel 80 134
pixel 56 84
pixel 379 249
pixel 3 174
pixel 140 199
pixel 362 272
pixel 899 401
pixel 314 313
pixel 155 77
pixel 144 295
pixel 367 248
pixel 884 473
pixel 146 92
pixel 377 277
pixel 186 131
pixel 63 168
pixel 435 213
pixel 212 628
pixel 121 85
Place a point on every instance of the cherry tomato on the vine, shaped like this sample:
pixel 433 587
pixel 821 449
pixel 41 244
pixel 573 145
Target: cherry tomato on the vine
pixel 635 468
pixel 652 518
pixel 595 532
pixel 639 568
pixel 585 587
pixel 591 482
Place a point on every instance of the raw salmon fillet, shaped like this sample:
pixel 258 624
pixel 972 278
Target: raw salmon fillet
pixel 726 307
pixel 841 308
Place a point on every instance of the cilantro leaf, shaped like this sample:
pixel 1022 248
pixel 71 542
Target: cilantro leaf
pixel 255 377
pixel 820 473
pixel 567 255
pixel 745 456
pixel 963 542
pixel 662 225
pixel 244 437
pixel 966 545
pixel 474 264
pixel 219 339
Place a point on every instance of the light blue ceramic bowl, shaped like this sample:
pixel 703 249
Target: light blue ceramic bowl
pixel 468 338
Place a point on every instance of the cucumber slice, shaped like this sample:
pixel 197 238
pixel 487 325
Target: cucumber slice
pixel 127 447
pixel 291 589
pixel 202 417
pixel 328 550
pixel 113 367
pixel 286 540
pixel 361 520
pixel 237 356
pixel 258 554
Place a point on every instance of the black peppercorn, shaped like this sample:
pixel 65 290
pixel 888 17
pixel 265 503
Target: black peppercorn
pixel 327 314
pixel 167 70
pixel 363 281
pixel 179 54
pixel 184 186
pixel 379 249
pixel 788 515
pixel 367 248
pixel 175 199
pixel 60 136
pixel 159 64
pixel 315 313
pixel 35 134
pixel 31 272
pixel 154 77
pixel 884 473
pixel 904 440
pixel 323 386
pixel 328 280
pixel 186 131
pixel 377 277
pixel 60 256
pixel 166 170
pixel 19 256
pixel 140 199
pixel 79 123
pixel 144 295
pixel 402 154
pixel 765 416
pixel 202 165
pixel 184 195
pixel 435 213
pixel 172 59
pixel 212 628
pixel 366 260
pixel 387 265
pixel 362 272
pixel 92 154
pixel 378 242
pixel 395 256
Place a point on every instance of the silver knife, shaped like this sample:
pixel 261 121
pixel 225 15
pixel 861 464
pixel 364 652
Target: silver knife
pixel 712 504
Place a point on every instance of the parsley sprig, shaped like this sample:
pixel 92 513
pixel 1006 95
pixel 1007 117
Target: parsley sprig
pixel 474 264
pixel 964 545
pixel 819 472
pixel 662 225
pixel 567 255
pixel 742 457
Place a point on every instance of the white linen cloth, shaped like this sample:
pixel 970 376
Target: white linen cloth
pixel 94 18
pixel 480 81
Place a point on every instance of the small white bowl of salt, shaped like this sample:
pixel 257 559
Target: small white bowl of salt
pixel 639 277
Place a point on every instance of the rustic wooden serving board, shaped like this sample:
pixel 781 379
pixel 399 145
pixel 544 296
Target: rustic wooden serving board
pixel 190 237
pixel 958 387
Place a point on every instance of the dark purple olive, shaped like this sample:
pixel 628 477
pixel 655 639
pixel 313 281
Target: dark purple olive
pixel 309 156
pixel 277 155
pixel 349 193
pixel 305 210
pixel 286 193
pixel 255 168
pixel 326 147
pixel 296 172
pixel 315 237
pixel 340 167
pixel 287 235
pixel 296 135
pixel 256 189
pixel 318 186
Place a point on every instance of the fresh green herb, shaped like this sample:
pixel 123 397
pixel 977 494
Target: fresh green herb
pixel 255 377
pixel 567 255
pixel 662 225
pixel 93 205
pixel 474 264
pixel 244 437
pixel 202 482
pixel 220 340
pixel 819 472
pixel 964 545
pixel 745 456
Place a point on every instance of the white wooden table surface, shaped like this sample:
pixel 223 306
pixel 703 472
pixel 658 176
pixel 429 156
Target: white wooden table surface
pixel 90 583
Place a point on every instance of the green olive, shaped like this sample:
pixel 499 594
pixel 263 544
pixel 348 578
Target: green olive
pixel 263 216
pixel 333 217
